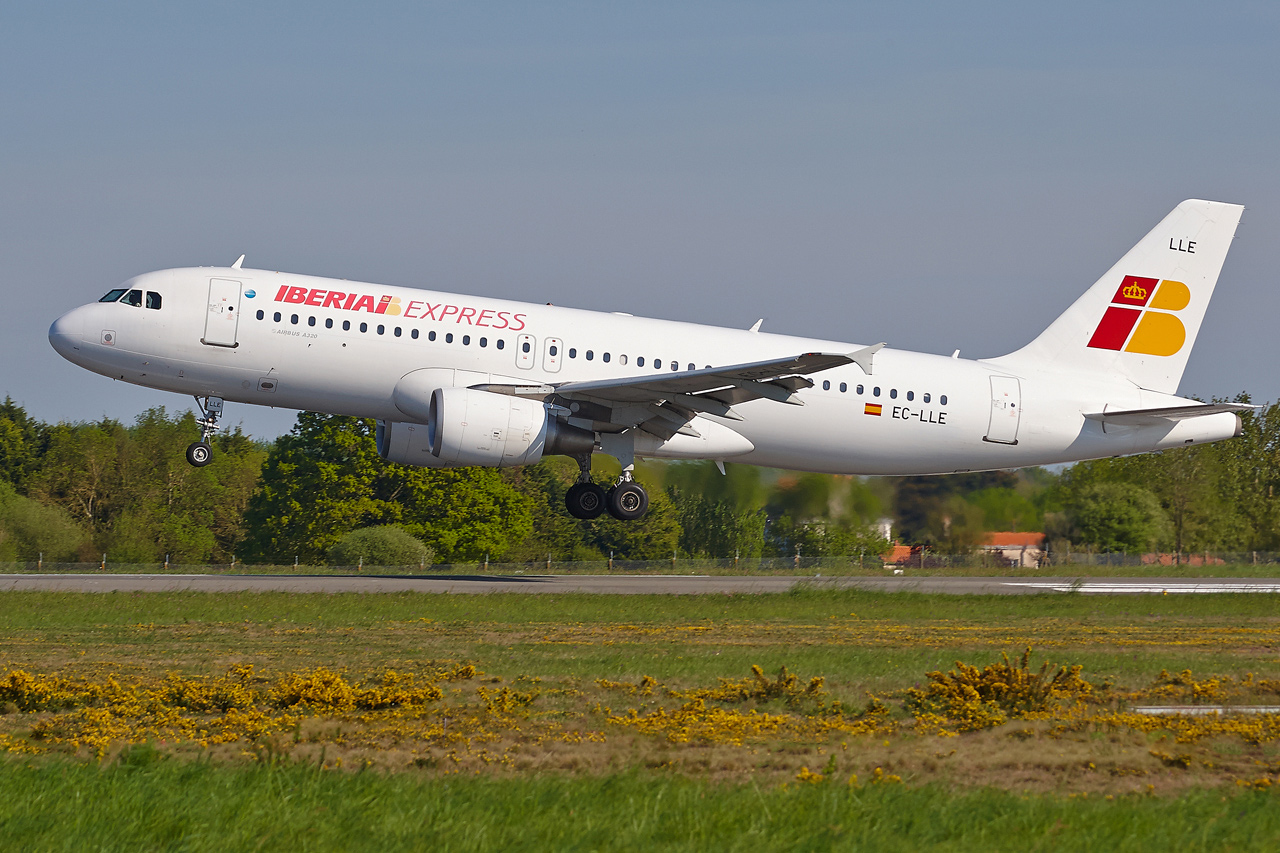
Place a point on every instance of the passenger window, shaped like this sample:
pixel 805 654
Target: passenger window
pixel 622 359
pixel 524 347
pixel 640 361
pixel 364 327
pixel 926 396
pixel 413 334
pixel 277 317
pixel 573 353
pixel 346 325
pixel 431 336
pixel 134 298
pixel 448 338
pixel 311 321
pixel 893 393
pixel 261 315
pixel 501 343
pixel 397 331
pixel 657 364
pixel 553 349
pixel 691 367
pixel 381 328
pixel 844 386
pixel 153 300
pixel 826 385
pixel 943 399
pixel 328 322
pixel 911 395
pixel 860 389
pixel 875 392
pixel 293 318
pixel 484 342
pixel 113 295
pixel 605 358
pixel 466 340
pixel 590 355
pixel 675 366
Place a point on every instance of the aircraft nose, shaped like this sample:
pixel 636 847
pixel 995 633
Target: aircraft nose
pixel 67 331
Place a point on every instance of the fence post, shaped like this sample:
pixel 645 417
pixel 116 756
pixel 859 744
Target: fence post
pixel 610 561
pixel 548 563
pixel 103 567
pixel 736 551
pixel 40 561
pixel 486 561
pixel 673 559
pixel 360 564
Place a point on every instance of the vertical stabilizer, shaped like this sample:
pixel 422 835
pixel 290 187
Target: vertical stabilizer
pixel 1140 320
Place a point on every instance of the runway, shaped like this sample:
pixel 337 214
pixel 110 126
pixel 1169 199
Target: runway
pixel 623 584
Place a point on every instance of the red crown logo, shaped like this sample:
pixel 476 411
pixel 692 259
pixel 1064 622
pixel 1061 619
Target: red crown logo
pixel 1133 291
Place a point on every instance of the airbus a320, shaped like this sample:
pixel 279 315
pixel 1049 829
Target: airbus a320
pixel 458 380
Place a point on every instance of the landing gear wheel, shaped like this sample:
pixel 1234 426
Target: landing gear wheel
pixel 628 501
pixel 585 500
pixel 199 454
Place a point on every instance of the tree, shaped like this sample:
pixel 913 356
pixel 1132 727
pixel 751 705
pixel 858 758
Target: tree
pixel 29 529
pixel 1116 517
pixel 20 444
pixel 325 479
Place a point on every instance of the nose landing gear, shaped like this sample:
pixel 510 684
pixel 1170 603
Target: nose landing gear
pixel 199 453
pixel 626 501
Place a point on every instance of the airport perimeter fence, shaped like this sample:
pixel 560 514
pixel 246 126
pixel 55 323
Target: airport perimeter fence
pixel 1267 562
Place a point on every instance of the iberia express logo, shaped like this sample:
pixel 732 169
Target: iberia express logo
pixel 1146 327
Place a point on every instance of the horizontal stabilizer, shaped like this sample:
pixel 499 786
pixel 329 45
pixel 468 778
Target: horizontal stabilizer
pixel 1151 417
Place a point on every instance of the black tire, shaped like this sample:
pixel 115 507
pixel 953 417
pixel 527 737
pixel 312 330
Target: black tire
pixel 628 501
pixel 199 453
pixel 585 500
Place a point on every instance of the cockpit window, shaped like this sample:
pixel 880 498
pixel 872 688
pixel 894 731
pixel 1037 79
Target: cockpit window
pixel 153 300
pixel 134 298
pixel 113 295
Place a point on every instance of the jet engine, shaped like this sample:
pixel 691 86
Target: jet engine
pixel 466 426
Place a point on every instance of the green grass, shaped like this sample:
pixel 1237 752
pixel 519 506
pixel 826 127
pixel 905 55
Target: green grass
pixel 71 610
pixel 147 802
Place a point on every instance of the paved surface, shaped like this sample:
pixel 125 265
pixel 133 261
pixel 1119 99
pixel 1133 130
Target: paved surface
pixel 617 584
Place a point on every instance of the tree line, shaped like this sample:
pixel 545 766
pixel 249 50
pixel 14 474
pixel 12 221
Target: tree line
pixel 72 492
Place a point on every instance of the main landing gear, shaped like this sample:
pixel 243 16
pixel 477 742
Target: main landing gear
pixel 199 453
pixel 626 501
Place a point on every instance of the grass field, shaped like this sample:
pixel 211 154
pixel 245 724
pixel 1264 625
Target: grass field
pixel 495 722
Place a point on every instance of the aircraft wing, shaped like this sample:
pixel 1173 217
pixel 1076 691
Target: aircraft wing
pixel 1150 417
pixel 664 403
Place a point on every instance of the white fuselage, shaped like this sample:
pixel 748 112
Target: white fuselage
pixel 321 344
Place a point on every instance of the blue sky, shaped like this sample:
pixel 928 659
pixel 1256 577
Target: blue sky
pixel 932 175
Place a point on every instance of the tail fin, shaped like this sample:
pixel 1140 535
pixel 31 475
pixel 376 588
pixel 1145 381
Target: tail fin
pixel 1140 320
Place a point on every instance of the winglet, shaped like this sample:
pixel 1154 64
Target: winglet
pixel 756 327
pixel 239 261
pixel 863 357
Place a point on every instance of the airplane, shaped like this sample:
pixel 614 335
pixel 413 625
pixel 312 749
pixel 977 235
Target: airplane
pixel 459 380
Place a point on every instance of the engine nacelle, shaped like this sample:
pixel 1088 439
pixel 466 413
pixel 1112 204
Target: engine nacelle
pixel 466 426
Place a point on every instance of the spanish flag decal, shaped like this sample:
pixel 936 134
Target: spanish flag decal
pixel 872 409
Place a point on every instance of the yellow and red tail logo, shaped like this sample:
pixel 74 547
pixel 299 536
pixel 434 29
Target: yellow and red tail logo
pixel 1146 327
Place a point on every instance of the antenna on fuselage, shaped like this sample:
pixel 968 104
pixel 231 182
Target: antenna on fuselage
pixel 239 261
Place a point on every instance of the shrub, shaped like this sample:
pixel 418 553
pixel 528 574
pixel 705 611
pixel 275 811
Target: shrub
pixel 380 546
